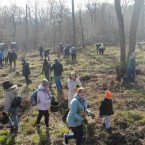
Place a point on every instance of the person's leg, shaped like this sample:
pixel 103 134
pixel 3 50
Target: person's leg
pixel 107 122
pixel 132 75
pixel 128 75
pixel 47 75
pixel 74 57
pixel 46 115
pixel 15 117
pixel 59 83
pixel 78 134
pixel 39 117
pixel 1 62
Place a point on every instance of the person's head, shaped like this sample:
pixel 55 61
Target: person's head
pixel 108 94
pixel 45 60
pixel 81 92
pixel 23 61
pixel 45 83
pixel 7 85
pixel 55 60
pixel 72 76
pixel 133 55
pixel 13 50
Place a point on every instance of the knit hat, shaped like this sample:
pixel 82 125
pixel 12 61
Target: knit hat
pixel 7 85
pixel 45 82
pixel 108 94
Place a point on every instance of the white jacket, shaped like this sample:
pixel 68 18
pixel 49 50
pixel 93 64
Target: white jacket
pixel 43 98
pixel 72 89
pixel 5 54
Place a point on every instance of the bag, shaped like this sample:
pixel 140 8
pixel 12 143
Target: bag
pixel 16 102
pixel 34 98
pixel 65 115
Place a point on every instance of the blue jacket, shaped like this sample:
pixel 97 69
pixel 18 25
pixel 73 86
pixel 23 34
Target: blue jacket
pixel 77 105
pixel 1 55
pixel 73 50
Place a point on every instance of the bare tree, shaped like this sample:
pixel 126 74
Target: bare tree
pixel 134 24
pixel 121 34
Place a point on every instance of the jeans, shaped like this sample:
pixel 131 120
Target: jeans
pixel 130 75
pixel 58 83
pixel 106 121
pixel 45 114
pixel 14 117
pixel 46 75
pixel 77 134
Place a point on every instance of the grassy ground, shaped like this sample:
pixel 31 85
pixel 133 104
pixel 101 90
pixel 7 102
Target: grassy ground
pixel 128 122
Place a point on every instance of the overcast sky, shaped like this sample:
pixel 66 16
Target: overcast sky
pixel 22 3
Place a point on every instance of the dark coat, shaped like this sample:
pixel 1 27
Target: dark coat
pixel 58 69
pixel 46 67
pixel 26 69
pixel 106 107
pixel 12 56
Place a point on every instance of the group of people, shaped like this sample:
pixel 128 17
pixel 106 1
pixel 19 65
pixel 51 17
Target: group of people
pixel 9 57
pixel 77 100
pixel 100 47
pixel 66 51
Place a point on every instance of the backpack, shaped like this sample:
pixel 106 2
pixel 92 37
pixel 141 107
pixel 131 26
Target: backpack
pixel 16 102
pixel 33 98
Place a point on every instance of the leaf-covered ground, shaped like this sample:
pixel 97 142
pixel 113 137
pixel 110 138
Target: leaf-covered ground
pixel 128 121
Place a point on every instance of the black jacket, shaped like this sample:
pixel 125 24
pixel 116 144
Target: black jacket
pixel 58 69
pixel 106 107
pixel 26 69
pixel 46 67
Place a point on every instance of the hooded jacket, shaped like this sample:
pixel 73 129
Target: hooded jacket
pixel 43 98
pixel 77 106
pixel 10 94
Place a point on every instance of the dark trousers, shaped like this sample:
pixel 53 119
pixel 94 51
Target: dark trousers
pixel 28 81
pixel 45 114
pixel 66 55
pixel 73 57
pixel 77 134
pixel 130 75
pixel 1 62
pixel 47 75
pixel 6 60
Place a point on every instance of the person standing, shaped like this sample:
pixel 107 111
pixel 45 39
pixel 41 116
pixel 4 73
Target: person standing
pixel 11 91
pixel 73 53
pixel 46 69
pixel 5 54
pixel 106 109
pixel 73 84
pixel 26 71
pixel 58 69
pixel 13 58
pixel 43 102
pixel 41 51
pixel 1 59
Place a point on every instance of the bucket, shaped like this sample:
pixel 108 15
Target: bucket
pixel 54 106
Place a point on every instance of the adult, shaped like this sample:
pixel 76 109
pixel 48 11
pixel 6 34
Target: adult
pixel 130 69
pixel 97 47
pixel 11 91
pixel 43 102
pixel 1 59
pixel 61 47
pixel 101 49
pixel 58 69
pixel 26 71
pixel 73 53
pixel 5 55
pixel 58 52
pixel 76 116
pixel 73 84
pixel 41 51
pixel 66 51
pixel 46 53
pixel 46 69
pixel 13 58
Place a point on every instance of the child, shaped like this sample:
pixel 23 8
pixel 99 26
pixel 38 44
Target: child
pixel 106 109
pixel 73 84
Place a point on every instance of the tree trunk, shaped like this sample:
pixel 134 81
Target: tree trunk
pixel 121 34
pixel 82 31
pixel 134 24
pixel 74 27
